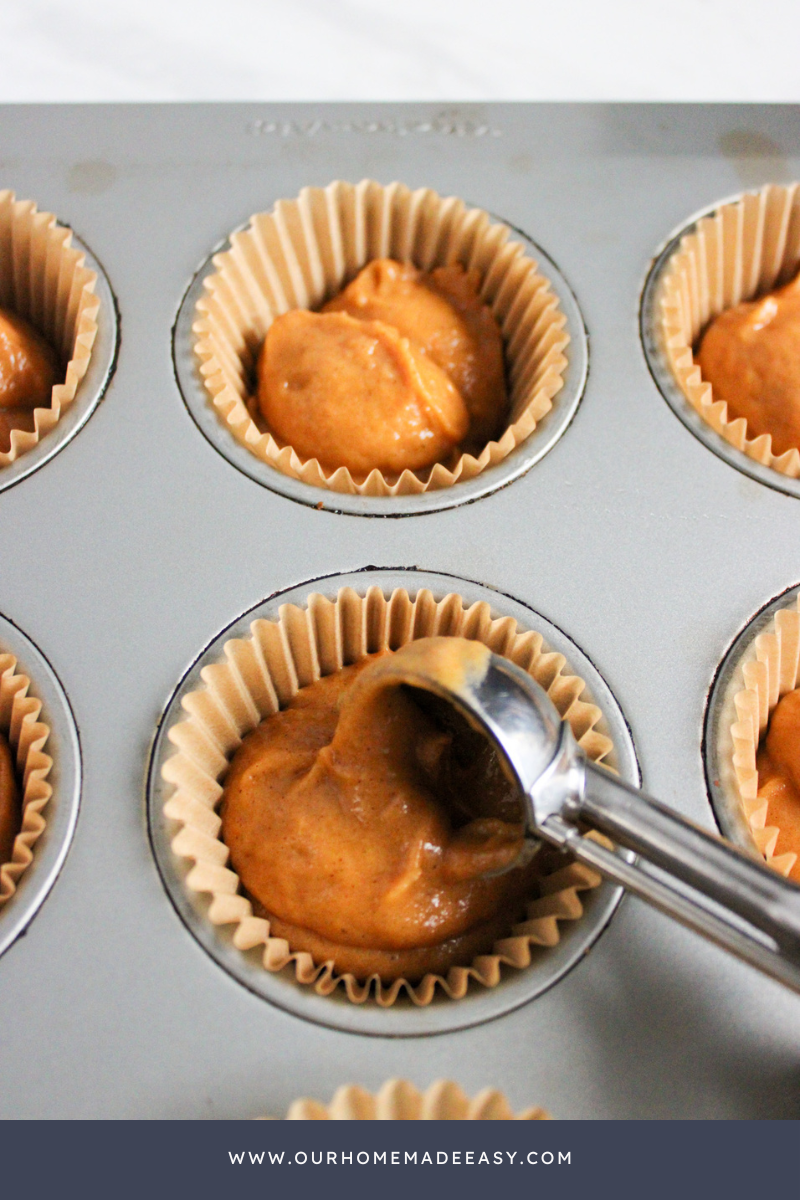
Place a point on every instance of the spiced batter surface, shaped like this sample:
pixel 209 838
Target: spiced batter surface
pixel 28 371
pixel 778 764
pixel 28 364
pixel 363 819
pixel 10 813
pixel 401 370
pixel 750 354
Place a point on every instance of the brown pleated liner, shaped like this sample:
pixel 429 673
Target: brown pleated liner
pixel 26 735
pixel 261 673
pixel 306 250
pixel 43 278
pixel 770 668
pixel 740 251
pixel 399 1100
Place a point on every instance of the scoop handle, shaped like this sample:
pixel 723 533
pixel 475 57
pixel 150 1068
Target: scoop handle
pixel 693 876
pixel 701 881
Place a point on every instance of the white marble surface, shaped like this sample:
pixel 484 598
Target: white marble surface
pixel 93 50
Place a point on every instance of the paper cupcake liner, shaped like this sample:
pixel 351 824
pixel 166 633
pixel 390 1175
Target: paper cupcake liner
pixel 769 668
pixel 261 673
pixel 740 251
pixel 26 735
pixel 306 250
pixel 44 280
pixel 399 1100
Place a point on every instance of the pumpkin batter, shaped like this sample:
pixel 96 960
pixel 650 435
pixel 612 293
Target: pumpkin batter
pixel 10 815
pixel 362 820
pixel 28 364
pixel 397 372
pixel 778 764
pixel 750 354
pixel 356 394
pixel 443 314
pixel 28 371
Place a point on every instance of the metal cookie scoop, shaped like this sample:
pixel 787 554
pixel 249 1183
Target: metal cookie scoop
pixel 697 878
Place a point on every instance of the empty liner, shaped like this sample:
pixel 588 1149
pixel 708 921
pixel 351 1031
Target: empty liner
pixel 43 279
pixel 307 250
pixel 260 674
pixel 767 670
pixel 738 252
pixel 26 735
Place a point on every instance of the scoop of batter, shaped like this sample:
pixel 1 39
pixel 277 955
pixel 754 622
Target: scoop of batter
pixel 10 815
pixel 363 826
pixel 28 364
pixel 750 354
pixel 356 394
pixel 779 775
pixel 442 313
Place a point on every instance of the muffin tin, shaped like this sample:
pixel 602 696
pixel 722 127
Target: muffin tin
pixel 128 553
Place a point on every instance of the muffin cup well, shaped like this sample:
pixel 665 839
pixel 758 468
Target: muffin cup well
pixel 399 1100
pixel 768 668
pixel 27 736
pixel 739 251
pixel 306 250
pixel 43 278
pixel 261 673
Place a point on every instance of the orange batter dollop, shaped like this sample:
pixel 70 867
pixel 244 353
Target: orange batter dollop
pixel 356 394
pixel 750 354
pixel 778 765
pixel 362 820
pixel 28 371
pixel 442 313
pixel 10 815
pixel 397 372
pixel 28 364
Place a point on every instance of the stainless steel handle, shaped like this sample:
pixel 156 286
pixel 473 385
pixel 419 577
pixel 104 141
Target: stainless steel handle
pixel 693 876
pixel 698 879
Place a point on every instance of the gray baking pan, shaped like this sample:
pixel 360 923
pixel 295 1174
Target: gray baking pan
pixel 128 552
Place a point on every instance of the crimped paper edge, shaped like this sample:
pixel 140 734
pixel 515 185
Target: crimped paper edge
pixel 27 736
pixel 75 290
pixel 740 250
pixel 768 668
pixel 399 1100
pixel 317 639
pixel 225 383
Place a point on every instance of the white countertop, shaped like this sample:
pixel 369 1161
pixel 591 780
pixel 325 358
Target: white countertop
pixel 461 50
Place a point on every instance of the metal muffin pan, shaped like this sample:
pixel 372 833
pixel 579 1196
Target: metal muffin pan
pixel 544 437
pixel 132 547
pixel 402 1019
